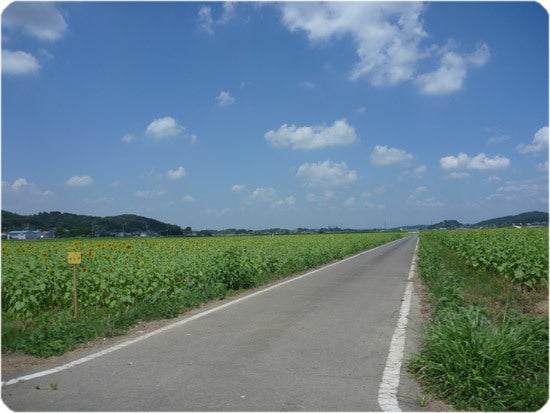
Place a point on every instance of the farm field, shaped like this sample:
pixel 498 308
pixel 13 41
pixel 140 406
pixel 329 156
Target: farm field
pixel 121 281
pixel 486 344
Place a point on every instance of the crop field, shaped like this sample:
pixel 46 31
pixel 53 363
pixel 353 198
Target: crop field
pixel 123 280
pixel 520 255
pixel 486 346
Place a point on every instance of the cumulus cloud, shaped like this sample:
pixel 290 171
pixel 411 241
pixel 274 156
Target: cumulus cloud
pixel 538 145
pixel 312 137
pixel 263 194
pixel 79 181
pixel 175 174
pixel 387 35
pixel 452 71
pixel 38 19
pixel 23 186
pixel 388 39
pixel 164 127
pixel 383 156
pixel 326 175
pixel 269 195
pixel 19 63
pixel 224 99
pixel 480 162
pixel 237 188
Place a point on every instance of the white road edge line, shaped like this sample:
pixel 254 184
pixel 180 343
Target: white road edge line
pixel 387 393
pixel 180 322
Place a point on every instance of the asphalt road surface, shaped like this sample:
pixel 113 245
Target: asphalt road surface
pixel 317 343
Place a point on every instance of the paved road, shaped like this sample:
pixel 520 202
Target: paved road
pixel 317 343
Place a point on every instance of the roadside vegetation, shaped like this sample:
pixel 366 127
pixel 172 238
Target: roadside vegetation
pixel 121 281
pixel 486 345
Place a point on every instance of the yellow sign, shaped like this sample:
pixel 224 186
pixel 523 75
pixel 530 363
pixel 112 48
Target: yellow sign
pixel 75 258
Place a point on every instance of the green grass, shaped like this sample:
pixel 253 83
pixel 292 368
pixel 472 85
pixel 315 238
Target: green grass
pixel 480 352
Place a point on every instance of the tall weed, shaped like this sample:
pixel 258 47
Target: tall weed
pixel 472 358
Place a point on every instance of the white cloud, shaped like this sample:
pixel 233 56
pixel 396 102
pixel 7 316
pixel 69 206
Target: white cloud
pixel 492 178
pixel 79 181
pixel 288 201
pixel 19 63
pixel 429 202
pixel 542 167
pixel 237 188
pixel 450 75
pixel 326 175
pixel 163 127
pixel 21 185
pixel 415 173
pixel 206 21
pixel 383 156
pixel 38 19
pixel 150 194
pixel 418 198
pixel 374 205
pixel 312 137
pixel 539 143
pixel 522 191
pixel 327 195
pixel 269 195
pixel 387 37
pixel 128 138
pixel 458 175
pixel 418 191
pixel 188 198
pixel 175 174
pixel 480 161
pixel 224 99
pixel 263 194
pixel 499 139
pixel 350 201
pixel 307 84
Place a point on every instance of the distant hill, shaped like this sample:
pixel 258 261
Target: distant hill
pixel 71 225
pixel 534 217
pixel 526 218
pixel 447 224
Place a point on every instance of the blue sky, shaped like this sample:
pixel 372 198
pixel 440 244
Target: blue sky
pixel 257 115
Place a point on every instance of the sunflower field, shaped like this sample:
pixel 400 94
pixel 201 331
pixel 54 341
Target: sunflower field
pixel 159 276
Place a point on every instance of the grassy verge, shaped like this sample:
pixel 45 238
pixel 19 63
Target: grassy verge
pixel 485 348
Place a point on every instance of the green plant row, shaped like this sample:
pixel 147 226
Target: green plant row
pixel 470 357
pixel 520 255
pixel 122 280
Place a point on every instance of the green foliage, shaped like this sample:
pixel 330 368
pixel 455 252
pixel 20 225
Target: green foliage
pixel 471 357
pixel 520 255
pixel 121 281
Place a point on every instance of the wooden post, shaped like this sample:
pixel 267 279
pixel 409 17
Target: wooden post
pixel 75 258
pixel 75 293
